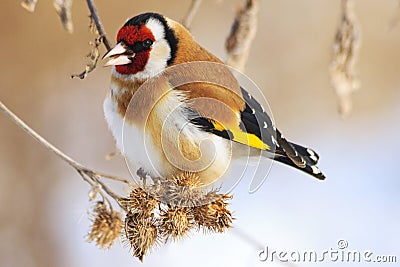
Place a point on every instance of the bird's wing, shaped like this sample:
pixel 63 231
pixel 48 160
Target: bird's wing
pixel 254 127
pixel 247 123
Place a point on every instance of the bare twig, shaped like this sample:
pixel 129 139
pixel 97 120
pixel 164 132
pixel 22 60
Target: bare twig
pixel 345 52
pixel 95 16
pixel 90 176
pixel 242 34
pixel 93 56
pixel 115 178
pixel 194 7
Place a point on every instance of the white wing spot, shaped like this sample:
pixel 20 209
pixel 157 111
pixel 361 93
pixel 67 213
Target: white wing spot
pixel 265 125
pixel 249 95
pixel 315 169
pixel 253 111
pixel 313 156
pixel 274 140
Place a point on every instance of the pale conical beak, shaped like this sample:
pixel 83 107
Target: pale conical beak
pixel 119 55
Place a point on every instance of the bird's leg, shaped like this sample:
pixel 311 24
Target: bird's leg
pixel 142 175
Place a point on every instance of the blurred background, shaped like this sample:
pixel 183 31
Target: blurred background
pixel 44 203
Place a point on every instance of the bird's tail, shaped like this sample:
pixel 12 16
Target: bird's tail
pixel 297 156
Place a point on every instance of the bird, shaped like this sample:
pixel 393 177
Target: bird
pixel 175 107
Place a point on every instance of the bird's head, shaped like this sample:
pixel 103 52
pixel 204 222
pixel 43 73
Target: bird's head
pixel 146 45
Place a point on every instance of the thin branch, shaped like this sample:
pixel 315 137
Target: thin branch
pixel 242 34
pixel 95 16
pixel 90 176
pixel 115 178
pixel 20 123
pixel 194 7
pixel 94 54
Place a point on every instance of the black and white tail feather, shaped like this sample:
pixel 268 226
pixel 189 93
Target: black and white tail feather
pixel 294 155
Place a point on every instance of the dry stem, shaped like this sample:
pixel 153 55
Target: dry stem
pixel 90 176
pixel 345 52
pixel 100 28
pixel 194 7
pixel 242 34
pixel 94 54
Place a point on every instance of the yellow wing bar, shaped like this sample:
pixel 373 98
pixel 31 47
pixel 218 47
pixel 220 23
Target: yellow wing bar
pixel 238 135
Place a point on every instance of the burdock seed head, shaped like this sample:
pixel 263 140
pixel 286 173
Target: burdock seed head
pixel 214 216
pixel 181 190
pixel 175 222
pixel 141 233
pixel 139 201
pixel 106 226
pixel 188 179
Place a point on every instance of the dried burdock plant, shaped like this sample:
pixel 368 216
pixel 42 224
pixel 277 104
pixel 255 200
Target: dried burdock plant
pixel 170 208
pixel 139 201
pixel 242 33
pixel 181 190
pixel 106 226
pixel 175 222
pixel 188 179
pixel 345 53
pixel 29 5
pixel 214 216
pixel 63 8
pixel 141 232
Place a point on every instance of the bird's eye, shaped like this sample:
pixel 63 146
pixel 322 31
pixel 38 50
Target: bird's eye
pixel 147 43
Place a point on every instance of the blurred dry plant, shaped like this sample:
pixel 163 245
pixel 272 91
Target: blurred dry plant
pixel 162 208
pixel 62 7
pixel 345 53
pixel 29 5
pixel 194 6
pixel 106 226
pixel 242 34
pixel 394 21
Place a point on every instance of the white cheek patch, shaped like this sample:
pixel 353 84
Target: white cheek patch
pixel 157 28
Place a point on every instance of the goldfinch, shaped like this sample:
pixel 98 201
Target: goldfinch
pixel 169 96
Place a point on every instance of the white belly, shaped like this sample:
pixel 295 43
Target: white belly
pixel 129 140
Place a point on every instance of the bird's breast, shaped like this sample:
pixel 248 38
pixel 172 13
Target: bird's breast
pixel 160 139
